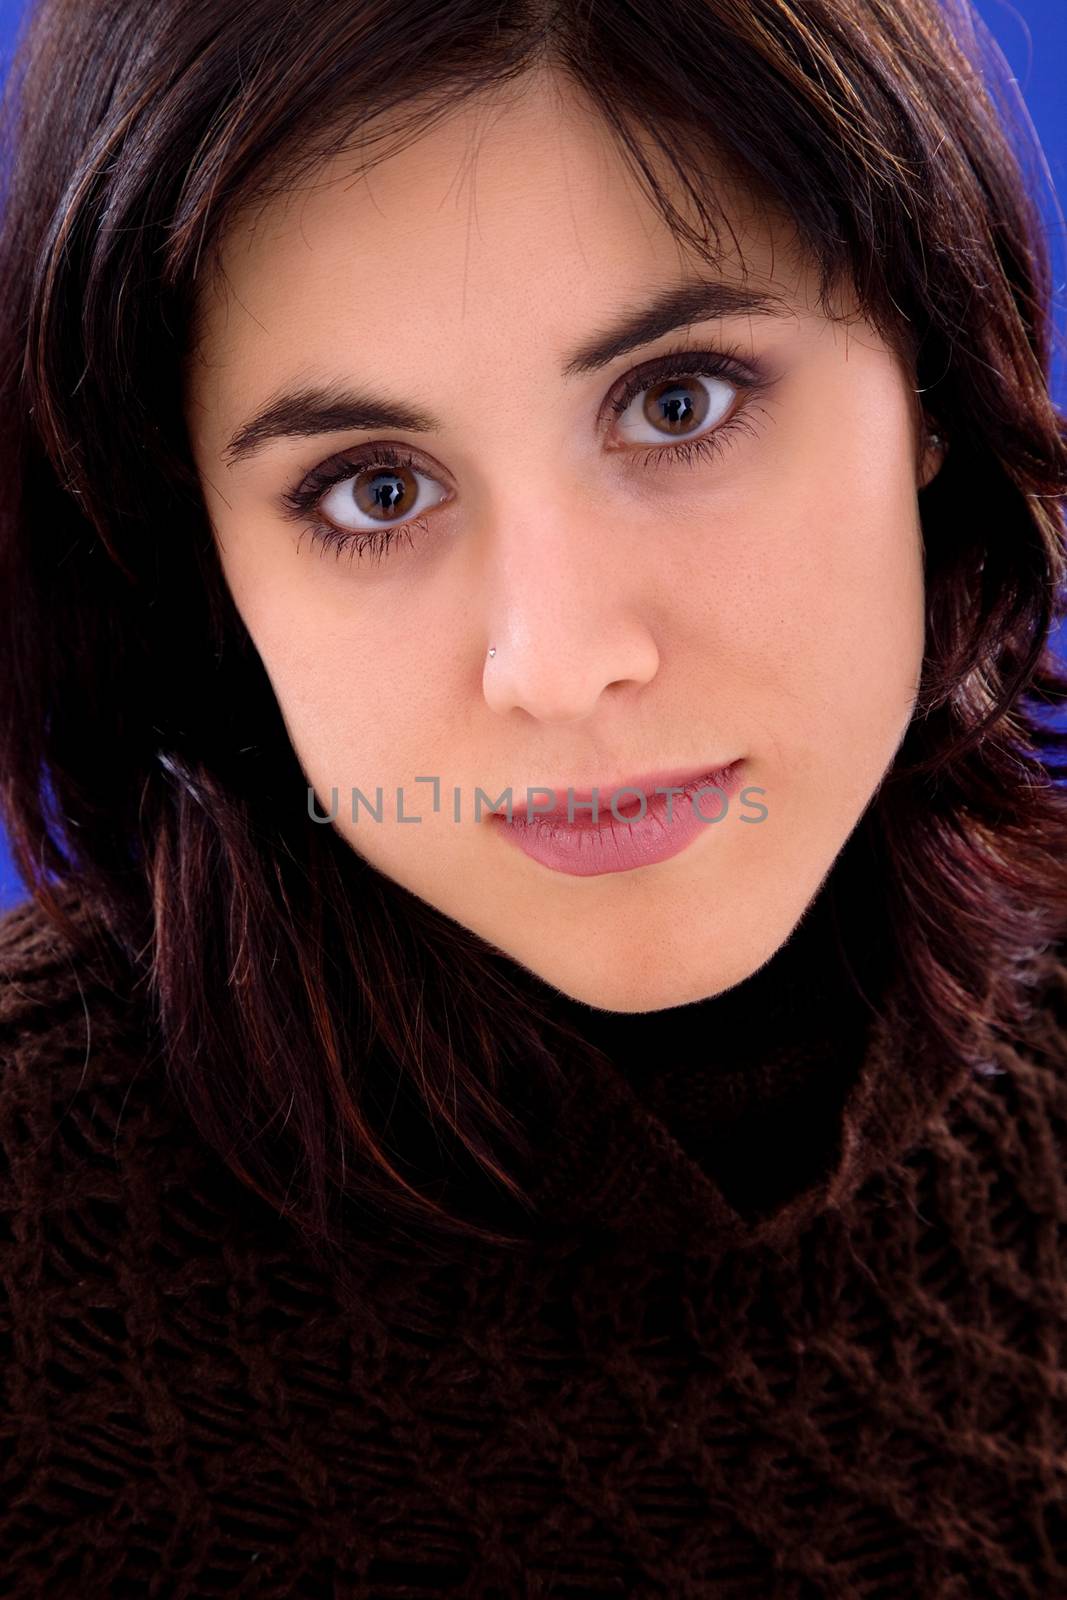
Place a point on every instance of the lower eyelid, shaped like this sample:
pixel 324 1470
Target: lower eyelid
pixel 705 445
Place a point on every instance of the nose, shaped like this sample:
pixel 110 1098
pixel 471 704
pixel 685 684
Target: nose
pixel 566 624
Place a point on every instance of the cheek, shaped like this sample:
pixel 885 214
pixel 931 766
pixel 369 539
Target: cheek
pixel 311 651
pixel 352 720
pixel 849 516
pixel 360 693
pixel 811 603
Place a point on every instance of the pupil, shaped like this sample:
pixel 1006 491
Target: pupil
pixel 677 406
pixel 389 491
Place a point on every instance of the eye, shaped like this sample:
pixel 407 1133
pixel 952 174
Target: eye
pixel 697 397
pixel 387 491
pixel 674 407
pixel 366 500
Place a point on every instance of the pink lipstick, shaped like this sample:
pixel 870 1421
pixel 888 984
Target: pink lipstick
pixel 632 825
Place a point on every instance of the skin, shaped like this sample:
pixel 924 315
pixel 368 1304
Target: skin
pixel 766 603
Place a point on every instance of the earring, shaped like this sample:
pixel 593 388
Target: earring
pixel 492 650
pixel 937 442
pixel 934 438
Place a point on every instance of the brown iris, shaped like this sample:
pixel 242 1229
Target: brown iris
pixel 385 492
pixel 681 406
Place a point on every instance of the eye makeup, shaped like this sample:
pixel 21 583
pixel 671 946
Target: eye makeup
pixel 303 501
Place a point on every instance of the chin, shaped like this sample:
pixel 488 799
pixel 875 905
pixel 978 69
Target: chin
pixel 633 987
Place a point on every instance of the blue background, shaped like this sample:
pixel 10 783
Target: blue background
pixel 1033 37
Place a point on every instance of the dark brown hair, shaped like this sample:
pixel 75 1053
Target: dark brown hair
pixel 145 764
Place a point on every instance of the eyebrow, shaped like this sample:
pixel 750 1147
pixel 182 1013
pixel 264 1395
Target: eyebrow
pixel 319 409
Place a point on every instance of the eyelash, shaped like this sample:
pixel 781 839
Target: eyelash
pixel 302 499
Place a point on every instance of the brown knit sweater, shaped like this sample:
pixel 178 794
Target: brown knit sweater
pixel 851 1383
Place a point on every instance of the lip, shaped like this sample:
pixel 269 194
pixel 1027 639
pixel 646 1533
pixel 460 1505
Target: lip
pixel 636 830
pixel 647 784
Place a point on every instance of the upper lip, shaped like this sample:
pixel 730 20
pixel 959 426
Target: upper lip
pixel 647 783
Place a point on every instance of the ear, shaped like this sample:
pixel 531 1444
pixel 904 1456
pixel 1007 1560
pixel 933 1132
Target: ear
pixel 934 450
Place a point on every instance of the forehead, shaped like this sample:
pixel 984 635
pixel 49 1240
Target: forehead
pixel 510 226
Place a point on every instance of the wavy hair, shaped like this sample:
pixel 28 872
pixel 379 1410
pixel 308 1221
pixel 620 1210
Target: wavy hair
pixel 145 767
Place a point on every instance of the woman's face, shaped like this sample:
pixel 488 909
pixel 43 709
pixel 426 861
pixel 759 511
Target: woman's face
pixel 652 613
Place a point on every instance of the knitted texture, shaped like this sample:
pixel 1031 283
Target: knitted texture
pixel 855 1389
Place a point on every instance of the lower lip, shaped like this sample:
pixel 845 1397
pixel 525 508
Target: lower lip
pixel 586 849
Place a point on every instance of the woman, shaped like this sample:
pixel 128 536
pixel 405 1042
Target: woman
pixel 420 425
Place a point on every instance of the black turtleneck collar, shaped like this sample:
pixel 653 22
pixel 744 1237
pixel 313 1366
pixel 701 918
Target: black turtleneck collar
pixel 750 1084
